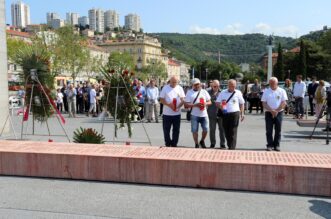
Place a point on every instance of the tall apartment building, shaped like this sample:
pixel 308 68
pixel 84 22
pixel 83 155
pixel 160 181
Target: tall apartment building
pixel 20 14
pixel 72 18
pixel 132 22
pixel 97 20
pixel 111 20
pixel 50 16
pixel 83 21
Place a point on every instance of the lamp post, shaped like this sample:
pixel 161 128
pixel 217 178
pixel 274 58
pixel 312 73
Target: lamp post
pixel 289 74
pixel 206 75
pixel 139 64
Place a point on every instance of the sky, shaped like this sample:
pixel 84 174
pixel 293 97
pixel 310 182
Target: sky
pixel 291 18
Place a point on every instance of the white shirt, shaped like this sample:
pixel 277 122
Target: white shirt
pixel 274 98
pixel 299 89
pixel 191 95
pixel 168 94
pixel 93 95
pixel 59 97
pixel 152 94
pixel 234 104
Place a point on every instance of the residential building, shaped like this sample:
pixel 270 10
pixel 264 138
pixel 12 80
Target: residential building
pixel 173 68
pixel 83 21
pixel 26 37
pixel 50 16
pixel 96 20
pixel 111 20
pixel 88 33
pixel 184 73
pixel 132 22
pixel 245 67
pixel 34 28
pixel 57 23
pixel 20 13
pixel 142 47
pixel 72 18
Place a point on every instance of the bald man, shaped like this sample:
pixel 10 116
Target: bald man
pixel 172 97
pixel 274 102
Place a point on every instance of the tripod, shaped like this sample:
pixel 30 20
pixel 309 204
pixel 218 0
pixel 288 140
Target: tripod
pixel 35 81
pixel 320 116
pixel 116 109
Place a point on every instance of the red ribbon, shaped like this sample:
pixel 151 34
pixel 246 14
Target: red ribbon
pixel 26 113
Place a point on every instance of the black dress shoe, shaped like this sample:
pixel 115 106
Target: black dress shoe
pixel 196 145
pixel 202 144
pixel 212 146
pixel 223 147
pixel 277 149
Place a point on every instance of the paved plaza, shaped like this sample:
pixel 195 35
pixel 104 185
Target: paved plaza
pixel 48 198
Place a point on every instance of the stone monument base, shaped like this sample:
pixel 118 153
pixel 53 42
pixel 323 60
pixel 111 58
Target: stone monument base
pixel 292 173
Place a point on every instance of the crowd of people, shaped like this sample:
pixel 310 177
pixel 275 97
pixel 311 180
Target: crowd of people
pixel 209 107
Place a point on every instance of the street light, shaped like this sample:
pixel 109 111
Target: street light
pixel 206 75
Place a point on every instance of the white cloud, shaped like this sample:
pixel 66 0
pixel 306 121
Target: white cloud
pixel 237 29
pixel 231 29
pixel 264 28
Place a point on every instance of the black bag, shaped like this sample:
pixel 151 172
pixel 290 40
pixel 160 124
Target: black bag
pixel 188 113
pixel 220 113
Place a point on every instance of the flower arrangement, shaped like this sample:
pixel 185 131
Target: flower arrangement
pixel 38 58
pixel 89 136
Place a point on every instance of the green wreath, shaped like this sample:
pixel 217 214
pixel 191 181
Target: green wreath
pixel 115 76
pixel 38 58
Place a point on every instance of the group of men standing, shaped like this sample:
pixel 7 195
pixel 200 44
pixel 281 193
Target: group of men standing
pixel 225 109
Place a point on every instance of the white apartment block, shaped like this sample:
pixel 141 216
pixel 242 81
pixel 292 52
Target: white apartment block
pixel 72 18
pixel 83 21
pixel 97 20
pixel 50 16
pixel 132 22
pixel 111 19
pixel 20 14
pixel 57 23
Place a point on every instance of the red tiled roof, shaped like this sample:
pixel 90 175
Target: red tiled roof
pixel 295 50
pixel 173 62
pixel 18 33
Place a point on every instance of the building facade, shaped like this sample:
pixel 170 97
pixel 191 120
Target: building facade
pixel 57 23
pixel 112 20
pixel 97 20
pixel 72 18
pixel 132 22
pixel 173 68
pixel 50 16
pixel 83 21
pixel 142 48
pixel 20 13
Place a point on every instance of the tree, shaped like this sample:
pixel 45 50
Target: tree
pixel 14 45
pixel 279 67
pixel 303 60
pixel 92 65
pixel 324 42
pixel 70 52
pixel 155 69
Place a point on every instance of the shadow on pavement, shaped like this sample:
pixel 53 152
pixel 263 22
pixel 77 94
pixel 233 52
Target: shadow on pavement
pixel 321 208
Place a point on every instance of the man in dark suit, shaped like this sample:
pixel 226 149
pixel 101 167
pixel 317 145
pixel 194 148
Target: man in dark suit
pixel 311 92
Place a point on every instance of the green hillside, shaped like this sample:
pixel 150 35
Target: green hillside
pixel 235 48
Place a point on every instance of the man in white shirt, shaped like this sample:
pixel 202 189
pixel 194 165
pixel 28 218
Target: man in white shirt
pixel 274 102
pixel 93 101
pixel 152 101
pixel 198 100
pixel 299 92
pixel 172 97
pixel 234 102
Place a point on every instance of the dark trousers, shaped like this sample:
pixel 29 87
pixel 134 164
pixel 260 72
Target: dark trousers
pixel 271 124
pixel 161 109
pixel 230 126
pixel 213 123
pixel 254 102
pixel 79 105
pixel 168 122
pixel 59 106
pixel 312 105
pixel 299 106
pixel 65 104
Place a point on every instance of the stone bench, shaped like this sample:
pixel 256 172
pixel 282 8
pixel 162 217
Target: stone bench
pixel 292 173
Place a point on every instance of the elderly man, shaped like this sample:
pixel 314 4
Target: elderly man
pixel 231 102
pixel 172 97
pixel 215 121
pixel 198 100
pixel 274 102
